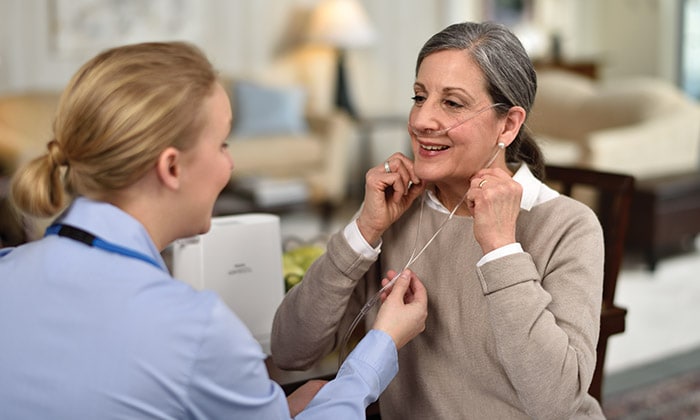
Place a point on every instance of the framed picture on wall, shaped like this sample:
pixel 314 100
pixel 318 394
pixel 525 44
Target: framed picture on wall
pixel 84 27
pixel 508 12
pixel 519 16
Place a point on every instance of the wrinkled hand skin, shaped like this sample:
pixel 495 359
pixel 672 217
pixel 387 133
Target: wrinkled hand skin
pixel 387 196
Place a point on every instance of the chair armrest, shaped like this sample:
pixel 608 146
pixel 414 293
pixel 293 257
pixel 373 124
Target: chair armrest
pixel 612 320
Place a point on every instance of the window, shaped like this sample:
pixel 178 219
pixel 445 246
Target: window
pixel 690 48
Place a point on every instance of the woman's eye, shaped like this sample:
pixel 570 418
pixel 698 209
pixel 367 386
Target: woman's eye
pixel 418 99
pixel 452 104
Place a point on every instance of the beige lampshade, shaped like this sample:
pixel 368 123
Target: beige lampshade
pixel 341 23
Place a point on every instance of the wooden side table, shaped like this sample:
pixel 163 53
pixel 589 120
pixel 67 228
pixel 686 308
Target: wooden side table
pixel 585 68
pixel 665 216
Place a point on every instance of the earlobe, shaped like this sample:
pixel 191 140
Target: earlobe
pixel 514 120
pixel 168 168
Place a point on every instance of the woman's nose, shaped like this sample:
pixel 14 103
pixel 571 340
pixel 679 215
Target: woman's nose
pixel 425 117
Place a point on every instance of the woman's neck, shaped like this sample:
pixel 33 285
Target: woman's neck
pixel 451 198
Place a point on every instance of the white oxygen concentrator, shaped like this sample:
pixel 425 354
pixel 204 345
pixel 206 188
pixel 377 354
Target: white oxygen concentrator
pixel 240 258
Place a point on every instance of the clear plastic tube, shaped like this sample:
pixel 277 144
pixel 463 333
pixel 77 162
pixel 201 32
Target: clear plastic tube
pixel 440 133
pixel 375 298
pixel 414 256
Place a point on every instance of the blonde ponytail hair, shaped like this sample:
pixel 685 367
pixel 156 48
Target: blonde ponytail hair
pixel 117 114
pixel 38 188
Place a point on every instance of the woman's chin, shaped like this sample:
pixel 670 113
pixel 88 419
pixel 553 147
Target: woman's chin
pixel 203 228
pixel 427 173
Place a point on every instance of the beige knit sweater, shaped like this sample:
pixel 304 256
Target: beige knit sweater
pixel 513 339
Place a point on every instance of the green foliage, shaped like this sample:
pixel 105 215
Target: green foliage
pixel 296 261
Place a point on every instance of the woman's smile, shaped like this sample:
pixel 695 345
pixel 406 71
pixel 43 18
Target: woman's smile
pixel 428 147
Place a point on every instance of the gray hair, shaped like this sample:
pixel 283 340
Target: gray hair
pixel 509 73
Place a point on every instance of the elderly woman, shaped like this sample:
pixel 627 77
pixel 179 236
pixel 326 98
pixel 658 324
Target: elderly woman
pixel 514 270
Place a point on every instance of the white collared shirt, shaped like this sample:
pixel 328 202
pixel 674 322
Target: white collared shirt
pixel 535 192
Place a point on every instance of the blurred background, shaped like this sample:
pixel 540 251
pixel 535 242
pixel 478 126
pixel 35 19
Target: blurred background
pixel 333 79
pixel 42 42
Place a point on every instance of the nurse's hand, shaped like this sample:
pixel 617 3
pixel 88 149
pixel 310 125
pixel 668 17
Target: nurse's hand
pixel 404 308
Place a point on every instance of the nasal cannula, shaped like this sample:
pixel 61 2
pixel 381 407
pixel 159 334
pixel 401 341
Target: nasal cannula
pixel 375 298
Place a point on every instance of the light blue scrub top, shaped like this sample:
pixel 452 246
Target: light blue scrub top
pixel 88 333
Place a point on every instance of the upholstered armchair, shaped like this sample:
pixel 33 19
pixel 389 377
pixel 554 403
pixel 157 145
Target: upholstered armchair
pixel 642 126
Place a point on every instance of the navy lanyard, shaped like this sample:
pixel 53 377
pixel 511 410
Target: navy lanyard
pixel 72 232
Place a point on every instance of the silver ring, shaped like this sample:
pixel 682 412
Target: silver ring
pixel 481 184
pixel 387 169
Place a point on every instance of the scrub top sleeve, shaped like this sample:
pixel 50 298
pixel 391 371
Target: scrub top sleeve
pixel 229 378
pixel 364 375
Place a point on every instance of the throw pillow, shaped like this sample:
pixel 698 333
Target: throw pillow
pixel 268 110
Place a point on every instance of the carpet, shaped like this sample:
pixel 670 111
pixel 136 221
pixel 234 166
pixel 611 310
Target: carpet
pixel 676 397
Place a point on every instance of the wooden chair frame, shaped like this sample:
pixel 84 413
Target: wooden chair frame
pixel 14 229
pixel 614 194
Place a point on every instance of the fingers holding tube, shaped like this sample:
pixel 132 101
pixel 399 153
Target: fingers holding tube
pixel 388 282
pixel 404 310
pixel 398 170
pixel 494 201
pixel 387 195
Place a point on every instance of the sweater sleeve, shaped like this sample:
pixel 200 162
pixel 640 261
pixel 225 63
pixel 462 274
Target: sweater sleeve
pixel 546 322
pixel 314 314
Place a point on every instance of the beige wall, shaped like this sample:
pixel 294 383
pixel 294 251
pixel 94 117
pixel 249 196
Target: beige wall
pixel 243 38
pixel 640 37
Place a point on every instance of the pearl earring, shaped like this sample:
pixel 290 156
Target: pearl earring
pixel 501 145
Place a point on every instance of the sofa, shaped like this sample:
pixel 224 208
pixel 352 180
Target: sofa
pixel 274 136
pixel 642 126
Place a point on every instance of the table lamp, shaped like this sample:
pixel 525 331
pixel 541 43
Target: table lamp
pixel 342 24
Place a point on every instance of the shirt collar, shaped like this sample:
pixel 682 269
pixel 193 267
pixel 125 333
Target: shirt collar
pixel 112 224
pixel 534 191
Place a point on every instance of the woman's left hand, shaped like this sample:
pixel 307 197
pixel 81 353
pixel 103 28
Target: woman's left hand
pixel 494 202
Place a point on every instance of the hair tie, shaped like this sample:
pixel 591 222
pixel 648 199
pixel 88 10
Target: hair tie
pixel 56 153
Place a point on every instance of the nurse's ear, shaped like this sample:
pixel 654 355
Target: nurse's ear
pixel 168 168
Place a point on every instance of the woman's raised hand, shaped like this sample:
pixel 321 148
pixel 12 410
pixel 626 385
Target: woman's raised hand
pixel 390 188
pixel 494 202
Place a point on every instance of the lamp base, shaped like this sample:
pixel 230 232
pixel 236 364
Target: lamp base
pixel 342 93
